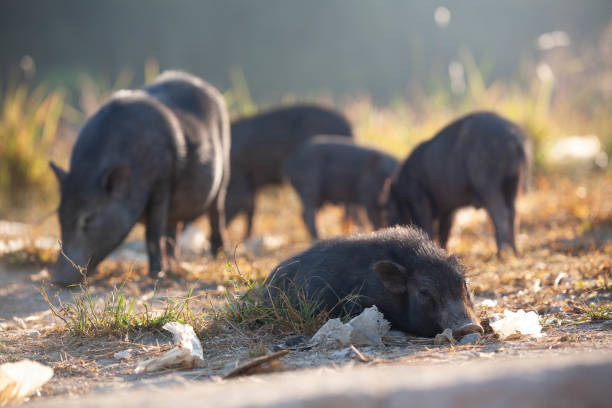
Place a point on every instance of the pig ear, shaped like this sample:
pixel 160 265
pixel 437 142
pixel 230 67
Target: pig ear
pixel 117 181
pixel 59 172
pixel 393 276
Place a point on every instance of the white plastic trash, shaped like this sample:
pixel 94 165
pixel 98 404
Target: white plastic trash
pixel 187 354
pixel 369 327
pixel 366 329
pixel 21 379
pixel 527 324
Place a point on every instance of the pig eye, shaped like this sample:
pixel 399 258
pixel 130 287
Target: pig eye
pixel 426 295
pixel 86 221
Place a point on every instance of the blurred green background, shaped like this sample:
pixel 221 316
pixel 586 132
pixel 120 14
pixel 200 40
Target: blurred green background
pixel 287 46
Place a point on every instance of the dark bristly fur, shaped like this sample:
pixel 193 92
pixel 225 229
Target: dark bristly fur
pixel 478 160
pixel 332 169
pixel 416 285
pixel 160 155
pixel 262 143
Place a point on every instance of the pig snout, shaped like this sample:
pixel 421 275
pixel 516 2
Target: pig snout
pixel 467 328
pixel 65 273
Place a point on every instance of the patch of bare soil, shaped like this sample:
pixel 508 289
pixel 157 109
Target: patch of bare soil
pixel 563 272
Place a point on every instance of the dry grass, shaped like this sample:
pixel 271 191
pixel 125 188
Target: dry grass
pixel 563 272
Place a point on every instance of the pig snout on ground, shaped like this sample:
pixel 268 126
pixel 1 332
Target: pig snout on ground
pixel 332 169
pixel 262 143
pixel 160 155
pixel 479 160
pixel 418 287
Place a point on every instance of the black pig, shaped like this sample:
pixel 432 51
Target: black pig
pixel 417 286
pixel 160 155
pixel 331 169
pixel 478 160
pixel 262 143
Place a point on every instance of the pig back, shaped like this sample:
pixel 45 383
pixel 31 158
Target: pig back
pixel 204 126
pixel 262 143
pixel 333 269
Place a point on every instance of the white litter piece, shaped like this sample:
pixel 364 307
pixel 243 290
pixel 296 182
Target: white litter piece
pixel 333 334
pixel 21 379
pixel 369 327
pixel 527 324
pixel 184 336
pixel 187 354
pixel 366 329
pixel 120 355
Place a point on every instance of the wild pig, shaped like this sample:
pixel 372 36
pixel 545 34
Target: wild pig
pixel 262 143
pixel 158 155
pixel 478 160
pixel 331 169
pixel 417 286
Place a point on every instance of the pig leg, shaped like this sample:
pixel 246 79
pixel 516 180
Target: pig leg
pixel 216 215
pixel 444 227
pixel 249 208
pixel 157 217
pixel 500 215
pixel 309 217
pixel 511 187
pixel 309 208
pixel 173 233
pixel 306 186
pixel 240 197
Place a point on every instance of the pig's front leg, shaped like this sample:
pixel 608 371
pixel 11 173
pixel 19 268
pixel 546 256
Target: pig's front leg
pixel 157 218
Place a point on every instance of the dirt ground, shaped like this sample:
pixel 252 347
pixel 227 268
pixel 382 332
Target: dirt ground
pixel 563 272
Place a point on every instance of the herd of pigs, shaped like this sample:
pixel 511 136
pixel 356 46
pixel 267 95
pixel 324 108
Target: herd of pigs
pixel 167 154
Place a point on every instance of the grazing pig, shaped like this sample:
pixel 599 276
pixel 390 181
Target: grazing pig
pixel 331 169
pixel 417 286
pixel 478 160
pixel 262 143
pixel 158 155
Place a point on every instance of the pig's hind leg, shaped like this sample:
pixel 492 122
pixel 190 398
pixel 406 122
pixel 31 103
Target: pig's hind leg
pixel 308 196
pixel 510 188
pixel 495 204
pixel 216 214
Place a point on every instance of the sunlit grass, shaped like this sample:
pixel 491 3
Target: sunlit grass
pixel 29 121
pixel 117 313
pixel 252 305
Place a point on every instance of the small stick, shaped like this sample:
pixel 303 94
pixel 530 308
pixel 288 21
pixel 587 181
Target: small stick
pixel 249 365
pixel 360 355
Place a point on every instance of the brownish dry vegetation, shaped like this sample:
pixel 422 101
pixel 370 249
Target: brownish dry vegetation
pixel 563 272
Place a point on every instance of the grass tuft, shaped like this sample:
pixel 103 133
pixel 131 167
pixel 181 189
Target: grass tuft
pixel 599 311
pixel 116 313
pixel 252 305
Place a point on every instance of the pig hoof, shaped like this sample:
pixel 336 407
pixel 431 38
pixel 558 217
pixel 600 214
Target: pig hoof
pixel 157 274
